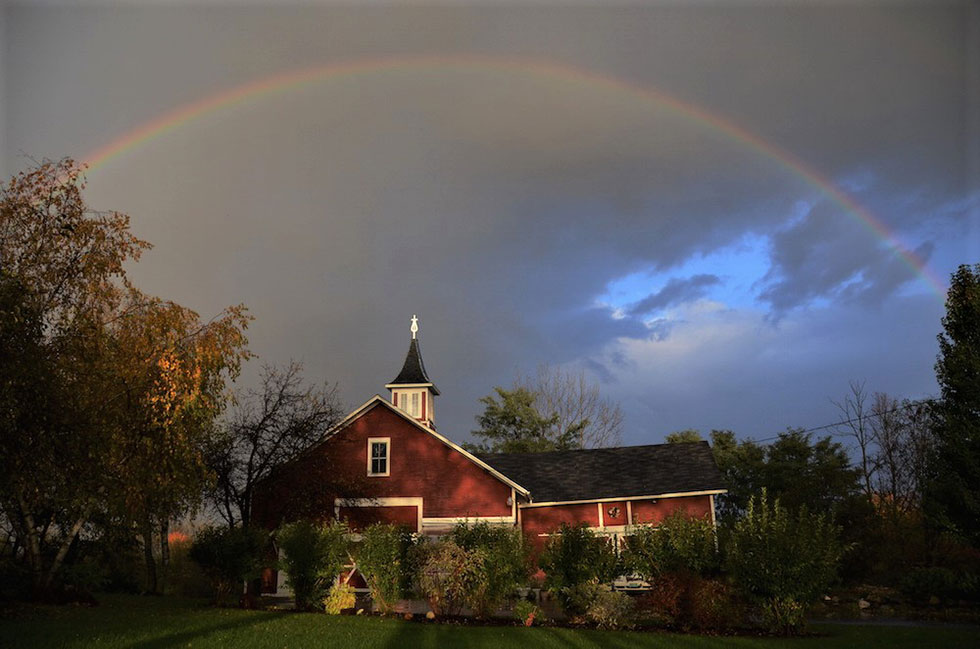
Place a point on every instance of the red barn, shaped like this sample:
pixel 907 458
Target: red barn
pixel 386 462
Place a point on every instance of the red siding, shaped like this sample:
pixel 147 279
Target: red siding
pixel 646 511
pixel 361 517
pixel 450 484
pixel 536 521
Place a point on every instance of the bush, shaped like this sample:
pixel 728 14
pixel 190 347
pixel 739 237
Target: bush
pixel 921 584
pixel 186 577
pixel 528 612
pixel 664 599
pixel 229 557
pixel 340 598
pixel 782 562
pixel 679 543
pixel 575 556
pixel 711 605
pixel 576 600
pixel 499 564
pixel 610 609
pixel 446 575
pixel 386 556
pixel 313 556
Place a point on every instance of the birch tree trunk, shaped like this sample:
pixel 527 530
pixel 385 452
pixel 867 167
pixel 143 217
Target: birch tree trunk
pixel 151 565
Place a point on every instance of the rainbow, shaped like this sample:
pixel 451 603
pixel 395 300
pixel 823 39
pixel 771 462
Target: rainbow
pixel 285 82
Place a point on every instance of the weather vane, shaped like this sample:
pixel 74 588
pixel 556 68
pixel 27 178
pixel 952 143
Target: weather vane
pixel 415 326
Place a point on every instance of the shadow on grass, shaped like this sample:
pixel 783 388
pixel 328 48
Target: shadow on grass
pixel 185 637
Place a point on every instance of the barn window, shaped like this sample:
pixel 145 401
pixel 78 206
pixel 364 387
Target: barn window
pixel 378 456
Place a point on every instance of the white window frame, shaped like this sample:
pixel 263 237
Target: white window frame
pixel 370 443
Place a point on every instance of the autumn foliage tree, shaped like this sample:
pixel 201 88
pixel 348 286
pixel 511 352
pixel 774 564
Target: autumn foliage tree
pixel 62 266
pixel 106 393
pixel 168 374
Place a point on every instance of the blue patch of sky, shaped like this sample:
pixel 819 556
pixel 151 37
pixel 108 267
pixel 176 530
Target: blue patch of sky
pixel 740 266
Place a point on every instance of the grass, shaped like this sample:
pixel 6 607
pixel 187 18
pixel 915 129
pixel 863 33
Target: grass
pixel 159 623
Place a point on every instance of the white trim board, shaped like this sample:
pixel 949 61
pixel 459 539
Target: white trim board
pixel 370 458
pixel 679 494
pixel 468 519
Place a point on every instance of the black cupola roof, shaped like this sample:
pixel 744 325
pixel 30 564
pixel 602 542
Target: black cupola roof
pixel 413 371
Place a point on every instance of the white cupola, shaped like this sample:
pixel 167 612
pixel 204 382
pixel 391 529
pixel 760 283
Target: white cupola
pixel 411 390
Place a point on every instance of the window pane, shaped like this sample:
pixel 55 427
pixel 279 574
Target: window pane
pixel 379 457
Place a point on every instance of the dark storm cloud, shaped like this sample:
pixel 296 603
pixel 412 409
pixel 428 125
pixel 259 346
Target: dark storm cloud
pixel 677 291
pixel 498 205
pixel 831 254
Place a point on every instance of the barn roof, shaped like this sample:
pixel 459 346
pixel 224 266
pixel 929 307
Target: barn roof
pixel 592 474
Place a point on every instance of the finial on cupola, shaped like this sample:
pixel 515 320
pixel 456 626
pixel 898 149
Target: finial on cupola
pixel 412 390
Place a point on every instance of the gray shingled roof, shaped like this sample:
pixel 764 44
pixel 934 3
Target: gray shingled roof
pixel 611 472
pixel 413 371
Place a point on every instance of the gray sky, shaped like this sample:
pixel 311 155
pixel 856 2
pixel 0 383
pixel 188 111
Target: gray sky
pixel 609 188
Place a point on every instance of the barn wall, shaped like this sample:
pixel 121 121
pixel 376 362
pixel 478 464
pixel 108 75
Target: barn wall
pixel 647 511
pixel 420 466
pixel 538 522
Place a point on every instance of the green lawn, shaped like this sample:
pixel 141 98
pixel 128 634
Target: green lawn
pixel 158 623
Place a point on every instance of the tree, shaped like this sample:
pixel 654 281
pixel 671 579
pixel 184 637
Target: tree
pixel 110 392
pixel 514 425
pixel 166 380
pixel 268 428
pixel 684 436
pixel 62 267
pixel 858 424
pixel 794 468
pixel 954 490
pixel 577 404
pixel 743 466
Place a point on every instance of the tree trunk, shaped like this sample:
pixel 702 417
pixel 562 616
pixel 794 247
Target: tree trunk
pixel 245 508
pixel 151 565
pixel 33 546
pixel 164 556
pixel 63 550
